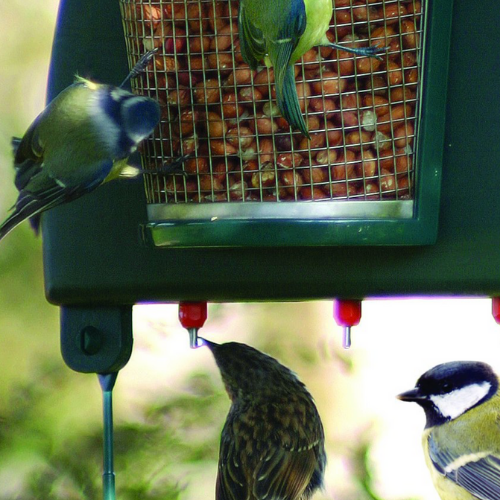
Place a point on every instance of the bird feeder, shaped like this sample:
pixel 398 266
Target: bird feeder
pixel 370 173
pixel 174 238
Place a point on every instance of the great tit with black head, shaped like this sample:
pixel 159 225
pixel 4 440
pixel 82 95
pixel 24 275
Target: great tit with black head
pixel 461 439
pixel 81 140
pixel 282 31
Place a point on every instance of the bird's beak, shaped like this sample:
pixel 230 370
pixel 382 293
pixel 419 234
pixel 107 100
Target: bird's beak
pixel 412 395
pixel 206 342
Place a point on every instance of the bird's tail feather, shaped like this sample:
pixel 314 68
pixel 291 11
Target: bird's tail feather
pixel 29 206
pixel 288 101
pixel 10 223
pixel 15 142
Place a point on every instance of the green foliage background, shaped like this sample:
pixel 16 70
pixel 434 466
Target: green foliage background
pixel 28 325
pixel 25 40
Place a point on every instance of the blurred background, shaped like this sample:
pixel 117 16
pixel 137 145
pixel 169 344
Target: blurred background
pixel 169 401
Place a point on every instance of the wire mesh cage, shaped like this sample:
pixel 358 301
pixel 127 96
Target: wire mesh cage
pixel 363 114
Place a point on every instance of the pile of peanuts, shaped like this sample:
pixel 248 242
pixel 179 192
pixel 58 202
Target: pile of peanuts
pixel 360 111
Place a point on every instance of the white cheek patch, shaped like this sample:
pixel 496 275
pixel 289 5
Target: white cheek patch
pixel 455 403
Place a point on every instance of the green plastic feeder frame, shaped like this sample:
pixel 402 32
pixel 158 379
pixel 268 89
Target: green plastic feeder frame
pixel 96 255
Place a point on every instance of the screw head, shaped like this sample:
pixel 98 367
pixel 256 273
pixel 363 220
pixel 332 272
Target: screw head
pixel 91 340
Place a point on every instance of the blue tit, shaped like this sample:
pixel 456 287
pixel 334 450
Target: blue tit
pixel 81 140
pixel 282 31
pixel 461 439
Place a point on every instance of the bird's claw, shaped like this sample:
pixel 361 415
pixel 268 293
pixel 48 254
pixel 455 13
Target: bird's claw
pixel 374 51
pixel 371 51
pixel 174 167
pixel 140 65
pixel 143 62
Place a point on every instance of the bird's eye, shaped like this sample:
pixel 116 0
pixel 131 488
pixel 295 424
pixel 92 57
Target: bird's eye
pixel 446 387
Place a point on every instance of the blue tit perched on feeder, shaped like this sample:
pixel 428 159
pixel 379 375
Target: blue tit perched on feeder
pixel 461 439
pixel 81 140
pixel 282 31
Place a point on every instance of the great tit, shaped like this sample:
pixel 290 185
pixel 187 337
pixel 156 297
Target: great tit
pixel 461 439
pixel 81 140
pixel 282 31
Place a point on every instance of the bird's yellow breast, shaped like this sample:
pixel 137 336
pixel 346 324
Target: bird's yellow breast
pixel 318 15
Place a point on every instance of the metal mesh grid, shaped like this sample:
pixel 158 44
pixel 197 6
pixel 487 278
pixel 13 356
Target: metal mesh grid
pixel 362 113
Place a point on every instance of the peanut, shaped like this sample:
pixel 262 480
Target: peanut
pixel 360 111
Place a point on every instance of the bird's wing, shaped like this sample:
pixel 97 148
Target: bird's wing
pixel 252 43
pixel 267 466
pixel 292 457
pixel 478 473
pixel 38 189
pixel 30 206
pixel 28 154
pixel 28 163
pixel 39 193
pixel 280 475
pixel 231 483
pixel 284 474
